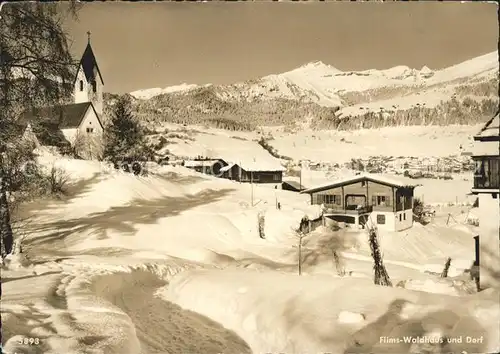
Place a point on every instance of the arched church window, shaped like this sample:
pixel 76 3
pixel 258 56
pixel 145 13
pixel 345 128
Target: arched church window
pixel 81 85
pixel 94 86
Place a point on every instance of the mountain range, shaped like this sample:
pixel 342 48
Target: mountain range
pixel 324 97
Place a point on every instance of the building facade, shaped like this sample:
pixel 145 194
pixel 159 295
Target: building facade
pixel 239 173
pixel 486 156
pixel 386 203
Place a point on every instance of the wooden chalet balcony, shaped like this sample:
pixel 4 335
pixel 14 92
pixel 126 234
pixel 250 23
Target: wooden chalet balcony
pixel 337 209
pixel 487 173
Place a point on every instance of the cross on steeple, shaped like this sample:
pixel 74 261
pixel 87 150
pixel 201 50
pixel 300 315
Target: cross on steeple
pixel 88 34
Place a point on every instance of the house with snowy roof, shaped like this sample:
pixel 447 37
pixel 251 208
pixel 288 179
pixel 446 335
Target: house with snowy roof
pixel 207 166
pixel 67 125
pixel 382 201
pixel 253 172
pixel 486 156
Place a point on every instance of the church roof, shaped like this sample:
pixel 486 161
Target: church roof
pixel 63 116
pixel 89 63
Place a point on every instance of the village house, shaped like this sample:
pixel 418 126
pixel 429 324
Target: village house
pixel 206 166
pixel 486 156
pixel 386 202
pixel 292 186
pixel 253 173
pixel 77 125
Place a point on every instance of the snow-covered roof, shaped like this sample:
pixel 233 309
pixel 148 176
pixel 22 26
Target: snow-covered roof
pixel 199 163
pixel 227 168
pixel 490 129
pixel 259 165
pixel 390 181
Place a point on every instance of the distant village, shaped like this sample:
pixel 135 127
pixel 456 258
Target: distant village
pixel 412 167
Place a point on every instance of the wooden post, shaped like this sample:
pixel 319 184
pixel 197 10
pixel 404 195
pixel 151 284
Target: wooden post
pixel 343 198
pixel 300 254
pixel 367 200
pixel 251 184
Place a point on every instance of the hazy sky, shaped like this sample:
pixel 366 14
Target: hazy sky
pixel 144 45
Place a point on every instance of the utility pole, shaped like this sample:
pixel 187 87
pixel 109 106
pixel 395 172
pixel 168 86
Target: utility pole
pixel 251 184
pixel 300 177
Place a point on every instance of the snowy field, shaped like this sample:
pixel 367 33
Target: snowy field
pixel 173 263
pixel 326 146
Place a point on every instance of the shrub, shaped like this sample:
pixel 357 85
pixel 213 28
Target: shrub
pixel 380 277
pixel 261 224
pixel 418 211
pixel 58 180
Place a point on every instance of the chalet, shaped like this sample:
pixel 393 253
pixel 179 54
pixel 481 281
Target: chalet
pixel 386 202
pixel 292 186
pixel 253 173
pixel 71 124
pixel 206 166
pixel 486 156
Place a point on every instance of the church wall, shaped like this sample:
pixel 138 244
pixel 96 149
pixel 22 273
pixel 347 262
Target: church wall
pixel 90 121
pixel 81 96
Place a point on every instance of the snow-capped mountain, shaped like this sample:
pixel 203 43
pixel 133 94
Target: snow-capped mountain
pixel 151 92
pixel 326 96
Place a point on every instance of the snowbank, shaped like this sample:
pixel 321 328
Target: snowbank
pixel 275 312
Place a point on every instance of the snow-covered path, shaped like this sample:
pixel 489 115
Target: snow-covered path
pixel 161 326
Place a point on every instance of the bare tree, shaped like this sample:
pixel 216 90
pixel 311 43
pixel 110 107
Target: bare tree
pixel 300 237
pixel 88 146
pixel 333 245
pixel 303 230
pixel 36 69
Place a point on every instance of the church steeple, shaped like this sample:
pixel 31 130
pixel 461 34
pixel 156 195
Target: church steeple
pixel 89 83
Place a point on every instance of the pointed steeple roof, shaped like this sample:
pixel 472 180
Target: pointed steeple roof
pixel 88 63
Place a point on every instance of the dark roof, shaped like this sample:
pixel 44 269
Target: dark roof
pixel 63 116
pixel 294 184
pixel 391 182
pixel 89 63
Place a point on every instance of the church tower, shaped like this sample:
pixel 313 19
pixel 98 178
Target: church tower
pixel 89 84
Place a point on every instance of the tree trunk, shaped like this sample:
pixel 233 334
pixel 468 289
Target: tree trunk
pixel 6 235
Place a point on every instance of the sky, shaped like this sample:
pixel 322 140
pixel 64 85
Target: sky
pixel 145 45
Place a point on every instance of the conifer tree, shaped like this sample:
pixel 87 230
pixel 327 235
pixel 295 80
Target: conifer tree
pixel 124 138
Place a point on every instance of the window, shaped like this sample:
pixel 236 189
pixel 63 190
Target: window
pixel 81 85
pixel 94 86
pixel 381 200
pixel 276 177
pixel 90 130
pixel 400 217
pixel 404 216
pixel 380 219
pixel 329 199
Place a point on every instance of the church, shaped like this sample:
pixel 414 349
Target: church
pixel 77 126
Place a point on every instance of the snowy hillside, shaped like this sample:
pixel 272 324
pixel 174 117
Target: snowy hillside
pixel 107 267
pixel 329 98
